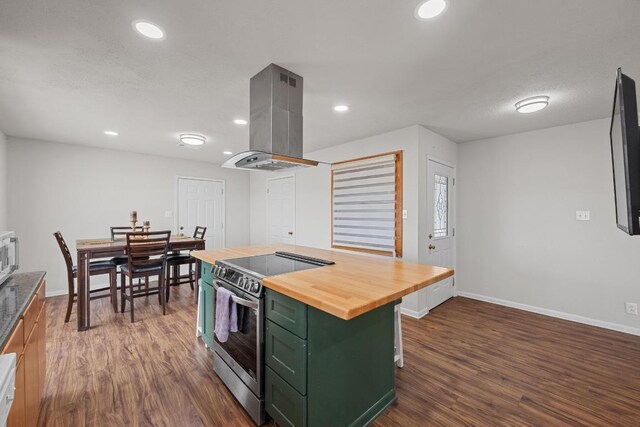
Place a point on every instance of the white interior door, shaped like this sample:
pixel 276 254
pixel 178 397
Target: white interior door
pixel 440 226
pixel 281 210
pixel 201 202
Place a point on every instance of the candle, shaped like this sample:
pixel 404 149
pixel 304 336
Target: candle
pixel 134 215
pixel 146 224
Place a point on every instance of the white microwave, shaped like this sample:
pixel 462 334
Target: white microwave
pixel 9 257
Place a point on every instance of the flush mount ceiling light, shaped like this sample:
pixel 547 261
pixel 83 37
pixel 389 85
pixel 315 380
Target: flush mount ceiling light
pixel 241 122
pixel 227 153
pixel 341 108
pixel 430 9
pixel 531 105
pixel 192 139
pixel 111 133
pixel 148 29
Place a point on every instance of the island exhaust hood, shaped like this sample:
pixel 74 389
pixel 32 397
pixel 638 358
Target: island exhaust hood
pixel 275 123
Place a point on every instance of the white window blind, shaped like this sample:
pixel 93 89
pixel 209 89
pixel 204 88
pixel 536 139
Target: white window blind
pixel 366 204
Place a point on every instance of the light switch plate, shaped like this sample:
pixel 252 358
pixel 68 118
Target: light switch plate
pixel 168 214
pixel 583 215
pixel 404 214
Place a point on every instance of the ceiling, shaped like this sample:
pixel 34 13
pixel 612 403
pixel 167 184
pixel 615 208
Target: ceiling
pixel 71 69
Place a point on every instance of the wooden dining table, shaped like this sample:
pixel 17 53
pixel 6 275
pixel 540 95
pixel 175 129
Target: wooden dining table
pixel 91 249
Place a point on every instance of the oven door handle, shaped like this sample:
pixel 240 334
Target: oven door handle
pixel 241 301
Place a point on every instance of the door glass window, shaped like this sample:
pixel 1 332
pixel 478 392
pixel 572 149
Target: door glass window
pixel 441 206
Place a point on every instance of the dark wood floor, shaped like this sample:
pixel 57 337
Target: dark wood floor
pixel 466 363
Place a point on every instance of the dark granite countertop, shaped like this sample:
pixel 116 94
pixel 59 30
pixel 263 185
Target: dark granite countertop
pixel 15 294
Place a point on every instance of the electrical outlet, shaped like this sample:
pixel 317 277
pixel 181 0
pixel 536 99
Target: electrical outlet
pixel 631 308
pixel 405 215
pixel 583 215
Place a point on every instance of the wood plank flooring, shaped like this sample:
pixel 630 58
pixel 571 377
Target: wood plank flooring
pixel 466 363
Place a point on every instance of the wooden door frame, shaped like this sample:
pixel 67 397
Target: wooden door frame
pixel 269 179
pixel 224 202
pixel 455 206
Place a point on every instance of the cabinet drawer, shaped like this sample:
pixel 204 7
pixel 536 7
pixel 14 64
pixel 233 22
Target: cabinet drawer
pixel 285 405
pixel 205 272
pixel 15 343
pixel 286 354
pixel 287 312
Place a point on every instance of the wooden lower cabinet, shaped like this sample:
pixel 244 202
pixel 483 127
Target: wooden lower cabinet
pixel 31 379
pixel 31 365
pixel 17 415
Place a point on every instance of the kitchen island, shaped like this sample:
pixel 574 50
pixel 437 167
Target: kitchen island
pixel 328 333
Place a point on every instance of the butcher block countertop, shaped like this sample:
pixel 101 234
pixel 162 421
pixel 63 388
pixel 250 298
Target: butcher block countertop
pixel 354 285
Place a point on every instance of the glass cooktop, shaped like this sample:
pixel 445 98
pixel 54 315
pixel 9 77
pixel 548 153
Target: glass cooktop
pixel 274 264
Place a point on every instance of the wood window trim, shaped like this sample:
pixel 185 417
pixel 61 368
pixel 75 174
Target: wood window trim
pixel 398 206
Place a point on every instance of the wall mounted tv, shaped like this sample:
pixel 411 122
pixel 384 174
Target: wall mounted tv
pixel 625 153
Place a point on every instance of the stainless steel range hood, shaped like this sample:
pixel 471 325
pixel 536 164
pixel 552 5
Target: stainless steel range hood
pixel 275 123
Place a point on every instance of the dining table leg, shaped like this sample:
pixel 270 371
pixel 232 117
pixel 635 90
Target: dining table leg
pixel 83 292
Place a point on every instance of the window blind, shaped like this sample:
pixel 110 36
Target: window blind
pixel 365 204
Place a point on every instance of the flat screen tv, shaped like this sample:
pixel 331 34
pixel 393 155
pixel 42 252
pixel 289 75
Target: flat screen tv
pixel 625 153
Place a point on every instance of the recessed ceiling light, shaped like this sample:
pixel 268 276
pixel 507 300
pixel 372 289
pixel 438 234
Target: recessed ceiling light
pixel 111 133
pixel 341 108
pixel 148 29
pixel 240 122
pixel 531 105
pixel 228 153
pixel 192 139
pixel 430 9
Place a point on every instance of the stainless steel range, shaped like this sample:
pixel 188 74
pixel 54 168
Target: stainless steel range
pixel 239 361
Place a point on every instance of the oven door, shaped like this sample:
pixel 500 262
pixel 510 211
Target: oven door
pixel 243 350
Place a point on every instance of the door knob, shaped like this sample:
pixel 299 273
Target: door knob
pixel 432 247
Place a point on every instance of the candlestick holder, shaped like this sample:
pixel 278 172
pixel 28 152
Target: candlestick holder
pixel 133 225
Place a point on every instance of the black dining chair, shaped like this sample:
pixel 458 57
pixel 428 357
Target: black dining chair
pixel 176 260
pixel 96 268
pixel 146 256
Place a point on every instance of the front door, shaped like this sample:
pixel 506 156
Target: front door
pixel 440 226
pixel 281 210
pixel 201 202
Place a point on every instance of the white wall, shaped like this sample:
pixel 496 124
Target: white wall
pixel 518 239
pixel 313 192
pixel 82 191
pixel 3 181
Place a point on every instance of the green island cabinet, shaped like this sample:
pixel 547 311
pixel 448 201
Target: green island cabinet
pixel 325 371
pixel 320 370
pixel 206 305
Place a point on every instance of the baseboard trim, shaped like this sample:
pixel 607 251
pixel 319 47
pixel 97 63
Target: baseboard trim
pixel 56 293
pixel 415 314
pixel 553 313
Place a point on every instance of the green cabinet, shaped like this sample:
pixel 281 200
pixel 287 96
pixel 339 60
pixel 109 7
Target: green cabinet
pixel 205 272
pixel 286 354
pixel 206 305
pixel 287 312
pixel 283 402
pixel 325 371
pixel 207 313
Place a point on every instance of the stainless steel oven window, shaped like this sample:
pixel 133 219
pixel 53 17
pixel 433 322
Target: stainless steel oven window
pixel 243 352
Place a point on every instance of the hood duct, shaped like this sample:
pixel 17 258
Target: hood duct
pixel 275 123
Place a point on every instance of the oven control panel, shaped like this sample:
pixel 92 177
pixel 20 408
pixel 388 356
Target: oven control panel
pixel 238 279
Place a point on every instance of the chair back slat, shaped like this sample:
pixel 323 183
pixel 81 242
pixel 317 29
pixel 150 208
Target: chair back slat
pixel 147 249
pixel 65 251
pixel 121 232
pixel 68 260
pixel 199 232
